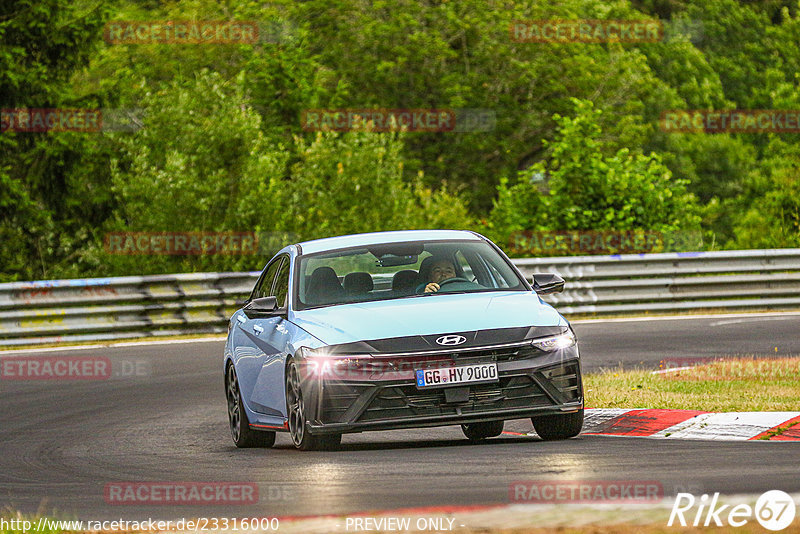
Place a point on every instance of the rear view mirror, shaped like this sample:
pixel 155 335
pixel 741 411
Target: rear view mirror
pixel 396 254
pixel 394 261
pixel 546 283
pixel 262 307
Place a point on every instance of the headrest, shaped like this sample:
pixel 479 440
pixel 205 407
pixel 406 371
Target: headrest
pixel 404 281
pixel 323 275
pixel 323 287
pixel 358 283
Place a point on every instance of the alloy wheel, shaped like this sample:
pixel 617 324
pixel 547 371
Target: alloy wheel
pixel 234 408
pixel 294 400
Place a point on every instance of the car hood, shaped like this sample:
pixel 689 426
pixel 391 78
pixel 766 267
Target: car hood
pixel 426 315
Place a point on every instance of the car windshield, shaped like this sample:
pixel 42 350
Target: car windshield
pixel 402 270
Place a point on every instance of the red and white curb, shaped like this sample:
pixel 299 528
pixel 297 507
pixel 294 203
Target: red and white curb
pixel 693 424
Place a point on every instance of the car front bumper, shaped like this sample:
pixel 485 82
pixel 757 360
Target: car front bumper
pixel 531 383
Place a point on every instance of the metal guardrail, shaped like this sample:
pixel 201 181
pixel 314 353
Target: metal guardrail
pixel 675 281
pixel 97 309
pixel 142 306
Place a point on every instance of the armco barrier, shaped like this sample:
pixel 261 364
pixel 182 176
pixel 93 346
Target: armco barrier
pixel 141 306
pixel 674 281
pixel 118 308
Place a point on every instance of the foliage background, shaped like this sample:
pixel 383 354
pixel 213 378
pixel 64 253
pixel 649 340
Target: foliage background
pixel 221 147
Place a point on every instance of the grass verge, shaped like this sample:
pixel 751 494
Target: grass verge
pixel 730 385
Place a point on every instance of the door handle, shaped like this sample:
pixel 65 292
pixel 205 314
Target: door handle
pixel 241 319
pixel 257 329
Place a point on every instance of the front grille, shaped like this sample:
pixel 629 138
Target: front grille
pixel 399 401
pixel 408 401
pixel 519 353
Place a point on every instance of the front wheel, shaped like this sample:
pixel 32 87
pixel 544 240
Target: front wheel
pixel 480 431
pixel 243 436
pixel 559 426
pixel 295 408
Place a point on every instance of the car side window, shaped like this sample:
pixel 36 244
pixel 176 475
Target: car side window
pixel 282 284
pixel 264 285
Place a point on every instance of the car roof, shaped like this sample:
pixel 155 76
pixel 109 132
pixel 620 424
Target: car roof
pixel 373 238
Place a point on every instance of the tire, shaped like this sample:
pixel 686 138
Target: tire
pixel 298 423
pixel 481 431
pixel 243 436
pixel 560 426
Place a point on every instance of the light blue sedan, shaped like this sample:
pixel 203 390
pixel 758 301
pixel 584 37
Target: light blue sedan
pixel 392 330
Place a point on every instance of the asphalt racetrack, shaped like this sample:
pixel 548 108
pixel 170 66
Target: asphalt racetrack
pixel 62 442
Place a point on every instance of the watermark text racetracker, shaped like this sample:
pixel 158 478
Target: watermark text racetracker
pixel 194 243
pixel 586 491
pixel 731 121
pixel 25 368
pixel 181 243
pixel 721 368
pixel 586 31
pixel 565 242
pixel 181 32
pixel 364 368
pixel 181 493
pixel 396 120
pixel 82 120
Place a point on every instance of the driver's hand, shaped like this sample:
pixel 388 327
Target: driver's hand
pixel 433 287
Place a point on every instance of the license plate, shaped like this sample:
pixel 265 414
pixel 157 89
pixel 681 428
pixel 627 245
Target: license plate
pixel 463 374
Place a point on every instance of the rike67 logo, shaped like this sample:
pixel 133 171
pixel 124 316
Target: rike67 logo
pixel 774 510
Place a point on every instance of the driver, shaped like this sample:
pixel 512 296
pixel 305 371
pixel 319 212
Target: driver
pixel 442 269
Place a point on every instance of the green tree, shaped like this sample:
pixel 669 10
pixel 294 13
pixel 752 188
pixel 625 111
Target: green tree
pixel 772 217
pixel 203 162
pixel 200 163
pixel 409 54
pixel 45 215
pixel 587 190
pixel 354 182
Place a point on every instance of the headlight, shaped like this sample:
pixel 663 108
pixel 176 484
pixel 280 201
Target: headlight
pixel 318 363
pixel 549 344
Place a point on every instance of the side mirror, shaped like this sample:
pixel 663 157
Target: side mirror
pixel 546 283
pixel 263 307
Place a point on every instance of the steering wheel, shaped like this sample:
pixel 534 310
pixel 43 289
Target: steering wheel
pixel 454 279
